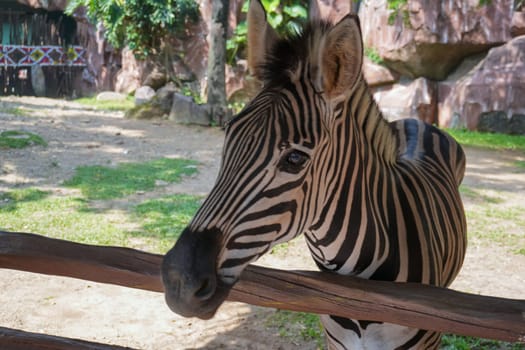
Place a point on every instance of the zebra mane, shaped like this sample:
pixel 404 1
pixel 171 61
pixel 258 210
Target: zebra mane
pixel 293 51
pixel 299 54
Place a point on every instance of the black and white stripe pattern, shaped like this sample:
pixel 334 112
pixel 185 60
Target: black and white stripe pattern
pixel 374 199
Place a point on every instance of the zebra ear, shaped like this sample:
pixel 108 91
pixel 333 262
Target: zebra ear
pixel 261 37
pixel 342 57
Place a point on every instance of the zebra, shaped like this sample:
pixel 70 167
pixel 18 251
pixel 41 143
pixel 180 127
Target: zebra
pixel 312 154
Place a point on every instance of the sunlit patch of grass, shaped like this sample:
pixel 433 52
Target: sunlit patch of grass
pixel 108 105
pixel 480 195
pixel 100 182
pixel 36 211
pixel 164 219
pixel 520 164
pixel 17 111
pixel 297 326
pixel 457 342
pixel 20 139
pixel 491 224
pixel 280 249
pixel 493 217
pixel 488 140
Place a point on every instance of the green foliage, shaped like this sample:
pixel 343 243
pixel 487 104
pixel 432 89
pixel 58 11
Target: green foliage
pixel 373 55
pixel 398 7
pixel 195 95
pixel 99 182
pixel 237 106
pixel 107 105
pixel 488 140
pixel 285 16
pixel 19 139
pixel 164 218
pixel 140 24
pixel 484 2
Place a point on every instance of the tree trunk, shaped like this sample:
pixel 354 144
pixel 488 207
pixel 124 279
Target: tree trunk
pixel 217 105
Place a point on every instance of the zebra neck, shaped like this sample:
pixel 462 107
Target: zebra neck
pixel 372 129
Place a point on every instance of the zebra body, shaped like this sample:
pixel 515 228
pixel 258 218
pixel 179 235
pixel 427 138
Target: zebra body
pixel 312 154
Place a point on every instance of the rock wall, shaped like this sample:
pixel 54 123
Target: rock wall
pixel 493 90
pixel 430 38
pixel 458 62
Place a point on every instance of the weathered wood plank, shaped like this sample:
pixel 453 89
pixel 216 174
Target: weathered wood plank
pixel 14 339
pixel 412 305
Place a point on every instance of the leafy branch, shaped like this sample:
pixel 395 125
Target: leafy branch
pixel 140 24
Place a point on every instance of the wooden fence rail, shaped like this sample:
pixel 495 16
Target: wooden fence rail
pixel 408 304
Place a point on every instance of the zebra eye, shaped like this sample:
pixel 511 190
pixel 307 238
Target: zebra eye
pixel 293 161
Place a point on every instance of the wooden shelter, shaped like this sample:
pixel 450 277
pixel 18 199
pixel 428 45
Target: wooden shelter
pixel 39 51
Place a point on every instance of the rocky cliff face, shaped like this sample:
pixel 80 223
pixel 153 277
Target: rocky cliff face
pixel 446 44
pixel 492 92
pixel 430 38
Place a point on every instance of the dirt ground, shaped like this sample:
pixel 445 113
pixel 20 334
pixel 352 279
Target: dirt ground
pixel 107 314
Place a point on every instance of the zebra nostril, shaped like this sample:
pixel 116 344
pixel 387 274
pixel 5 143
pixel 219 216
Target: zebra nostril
pixel 206 289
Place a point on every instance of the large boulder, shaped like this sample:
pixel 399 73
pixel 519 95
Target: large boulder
pixel 496 84
pixel 378 75
pixel 517 27
pixel 500 122
pixel 415 99
pixel 143 95
pixel 185 111
pixel 155 79
pixel 110 96
pixel 164 97
pixel 430 38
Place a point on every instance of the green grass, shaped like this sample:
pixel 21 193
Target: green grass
pixel 457 342
pixel 18 111
pixel 100 182
pixel 494 217
pixel 163 219
pixel 36 211
pixel 297 326
pixel 520 164
pixel 480 195
pixel 108 105
pixel 70 218
pixel 73 218
pixel 281 249
pixel 373 55
pixel 490 224
pixel 20 139
pixel 488 140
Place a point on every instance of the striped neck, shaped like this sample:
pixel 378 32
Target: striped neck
pixel 372 128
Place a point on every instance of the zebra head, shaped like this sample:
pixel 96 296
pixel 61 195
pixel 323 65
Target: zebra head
pixel 275 167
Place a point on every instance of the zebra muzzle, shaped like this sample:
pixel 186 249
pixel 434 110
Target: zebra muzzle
pixel 189 275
